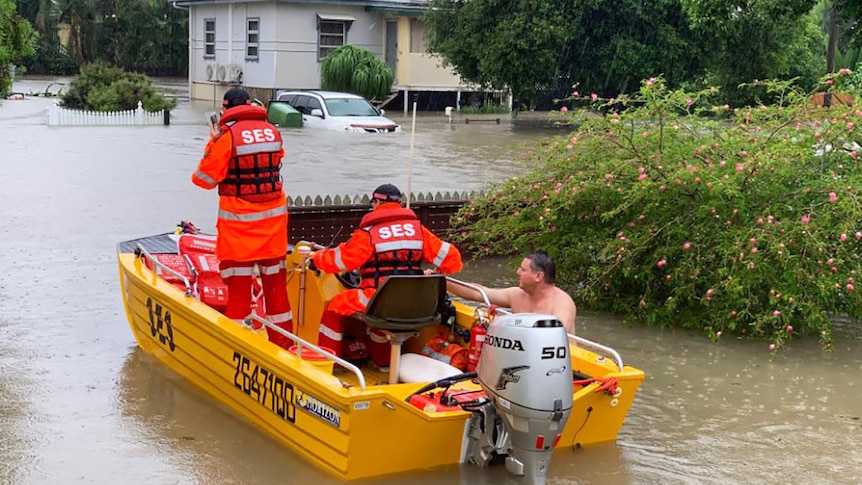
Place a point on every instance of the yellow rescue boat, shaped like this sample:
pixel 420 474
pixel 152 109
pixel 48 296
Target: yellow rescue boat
pixel 338 415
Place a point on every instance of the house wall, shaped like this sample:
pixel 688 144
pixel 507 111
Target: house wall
pixel 287 43
pixel 416 68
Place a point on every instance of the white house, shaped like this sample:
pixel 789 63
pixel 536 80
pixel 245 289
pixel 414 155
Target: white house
pixel 271 45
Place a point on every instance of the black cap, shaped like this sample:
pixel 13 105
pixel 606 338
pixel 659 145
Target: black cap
pixel 235 97
pixel 387 192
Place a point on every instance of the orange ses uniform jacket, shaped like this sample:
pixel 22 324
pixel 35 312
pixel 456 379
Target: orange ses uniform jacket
pixel 390 241
pixel 244 160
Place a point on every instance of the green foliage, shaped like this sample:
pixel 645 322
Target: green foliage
pixel 356 70
pixel 487 108
pixel 148 36
pixel 600 46
pixel 760 39
pixel 102 88
pixel 672 210
pixel 16 40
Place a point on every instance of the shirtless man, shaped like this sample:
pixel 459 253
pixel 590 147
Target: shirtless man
pixel 536 292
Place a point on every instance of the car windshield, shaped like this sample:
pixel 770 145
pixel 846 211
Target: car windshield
pixel 350 107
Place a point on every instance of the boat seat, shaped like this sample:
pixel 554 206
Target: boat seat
pixel 402 305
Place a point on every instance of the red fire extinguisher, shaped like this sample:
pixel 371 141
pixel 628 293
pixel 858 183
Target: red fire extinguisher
pixel 477 339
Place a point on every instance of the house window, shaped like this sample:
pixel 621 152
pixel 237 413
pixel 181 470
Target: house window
pixel 331 32
pixel 252 37
pixel 332 36
pixel 417 36
pixel 209 38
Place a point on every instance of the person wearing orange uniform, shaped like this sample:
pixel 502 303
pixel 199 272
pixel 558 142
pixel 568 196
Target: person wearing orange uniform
pixel 243 159
pixel 390 241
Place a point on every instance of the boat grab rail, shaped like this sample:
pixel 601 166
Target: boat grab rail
pixel 140 251
pixel 472 287
pixel 607 351
pixel 300 343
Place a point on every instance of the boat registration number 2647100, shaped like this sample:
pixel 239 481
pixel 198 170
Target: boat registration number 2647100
pixel 268 389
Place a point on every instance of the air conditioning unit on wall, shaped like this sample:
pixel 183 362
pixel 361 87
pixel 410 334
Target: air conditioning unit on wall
pixel 234 74
pixel 221 72
pixel 211 72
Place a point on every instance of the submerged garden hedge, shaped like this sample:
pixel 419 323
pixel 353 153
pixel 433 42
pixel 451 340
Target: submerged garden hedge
pixel 669 210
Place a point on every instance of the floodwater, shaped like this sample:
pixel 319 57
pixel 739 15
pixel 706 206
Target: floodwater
pixel 80 403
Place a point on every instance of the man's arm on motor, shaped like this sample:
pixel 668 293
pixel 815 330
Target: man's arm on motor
pixel 347 256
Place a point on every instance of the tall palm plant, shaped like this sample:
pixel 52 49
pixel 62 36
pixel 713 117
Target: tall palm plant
pixel 356 70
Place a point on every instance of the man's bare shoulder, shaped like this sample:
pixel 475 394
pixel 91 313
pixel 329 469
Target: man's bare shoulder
pixel 562 296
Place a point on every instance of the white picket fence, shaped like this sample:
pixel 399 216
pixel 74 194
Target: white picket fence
pixel 58 116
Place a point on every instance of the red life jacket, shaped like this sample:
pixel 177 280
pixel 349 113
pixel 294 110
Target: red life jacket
pixel 396 236
pixel 253 173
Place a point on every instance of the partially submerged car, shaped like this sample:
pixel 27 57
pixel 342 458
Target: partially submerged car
pixel 338 111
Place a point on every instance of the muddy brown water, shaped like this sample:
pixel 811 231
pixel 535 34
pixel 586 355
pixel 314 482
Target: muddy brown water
pixel 80 403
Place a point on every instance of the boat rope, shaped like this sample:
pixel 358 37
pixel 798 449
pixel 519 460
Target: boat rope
pixel 608 385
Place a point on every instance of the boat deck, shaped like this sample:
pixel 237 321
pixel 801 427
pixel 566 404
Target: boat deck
pixel 373 376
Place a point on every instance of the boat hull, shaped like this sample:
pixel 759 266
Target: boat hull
pixel 330 421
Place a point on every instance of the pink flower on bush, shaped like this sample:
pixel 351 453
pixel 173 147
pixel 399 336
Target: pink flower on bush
pixel 739 167
pixel 853 154
pixel 789 328
pixel 650 81
pixel 754 250
pixel 594 96
pixel 752 240
pixel 760 220
pixel 776 313
pixel 609 177
pixel 643 176
pixel 686 246
pixel 661 263
pixel 771 347
pixel 805 219
pixel 832 197
pixel 858 235
pixel 850 287
pixel 843 237
pixel 844 71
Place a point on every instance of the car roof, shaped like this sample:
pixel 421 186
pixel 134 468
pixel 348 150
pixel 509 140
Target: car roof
pixel 324 94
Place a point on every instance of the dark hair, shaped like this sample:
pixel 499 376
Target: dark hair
pixel 540 261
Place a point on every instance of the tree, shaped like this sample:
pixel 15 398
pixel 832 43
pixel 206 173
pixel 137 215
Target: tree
pixel 16 40
pixel 356 70
pixel 102 88
pixel 757 39
pixel 604 46
pixel 149 36
pixel 680 212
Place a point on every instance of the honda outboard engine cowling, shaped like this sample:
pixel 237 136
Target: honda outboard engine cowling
pixel 525 370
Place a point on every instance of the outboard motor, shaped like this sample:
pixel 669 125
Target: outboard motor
pixel 525 370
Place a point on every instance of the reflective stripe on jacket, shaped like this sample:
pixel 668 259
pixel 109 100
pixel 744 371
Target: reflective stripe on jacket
pixel 359 250
pixel 248 230
pixel 396 237
pixel 253 172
